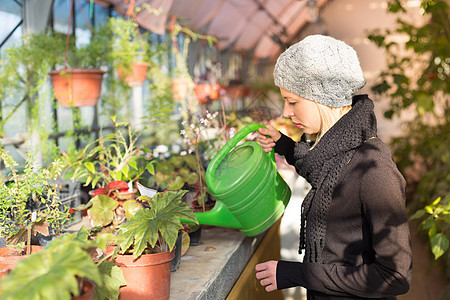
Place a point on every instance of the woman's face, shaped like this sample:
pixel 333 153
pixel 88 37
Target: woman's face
pixel 303 112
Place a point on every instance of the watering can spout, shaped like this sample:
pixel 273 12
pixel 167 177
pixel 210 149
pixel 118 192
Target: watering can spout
pixel 218 216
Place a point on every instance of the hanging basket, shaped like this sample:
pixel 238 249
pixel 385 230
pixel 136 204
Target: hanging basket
pixel 77 87
pixel 138 74
pixel 180 88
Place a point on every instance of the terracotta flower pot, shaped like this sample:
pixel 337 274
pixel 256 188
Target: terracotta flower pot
pixel 206 92
pixel 77 87
pixel 87 291
pixel 9 257
pixel 147 277
pixel 180 87
pixel 202 92
pixel 138 74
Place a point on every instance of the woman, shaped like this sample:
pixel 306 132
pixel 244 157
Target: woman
pixel 354 226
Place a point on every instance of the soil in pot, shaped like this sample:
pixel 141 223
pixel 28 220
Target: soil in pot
pixel 147 277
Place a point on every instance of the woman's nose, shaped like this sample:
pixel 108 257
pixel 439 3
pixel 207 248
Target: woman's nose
pixel 287 112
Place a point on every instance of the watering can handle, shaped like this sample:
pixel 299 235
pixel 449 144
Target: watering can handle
pixel 223 152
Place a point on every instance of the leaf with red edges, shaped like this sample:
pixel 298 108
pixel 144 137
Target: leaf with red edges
pixel 117 185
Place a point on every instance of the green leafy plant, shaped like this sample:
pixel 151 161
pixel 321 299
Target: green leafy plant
pixel 107 209
pixel 24 69
pixel 426 52
pixel 67 260
pixel 128 43
pixel 35 186
pixel 177 172
pixel 437 224
pixel 112 157
pixel 155 229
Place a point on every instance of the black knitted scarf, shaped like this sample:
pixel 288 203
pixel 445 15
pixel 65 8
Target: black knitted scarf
pixel 321 167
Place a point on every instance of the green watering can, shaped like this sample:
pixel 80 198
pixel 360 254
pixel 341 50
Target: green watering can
pixel 250 194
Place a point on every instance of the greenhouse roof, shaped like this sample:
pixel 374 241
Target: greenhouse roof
pixel 261 26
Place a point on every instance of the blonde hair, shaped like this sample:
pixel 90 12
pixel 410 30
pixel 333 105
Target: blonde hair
pixel 328 116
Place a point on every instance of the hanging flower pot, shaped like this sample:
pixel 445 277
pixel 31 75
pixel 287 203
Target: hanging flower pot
pixel 180 88
pixel 147 277
pixel 77 87
pixel 138 74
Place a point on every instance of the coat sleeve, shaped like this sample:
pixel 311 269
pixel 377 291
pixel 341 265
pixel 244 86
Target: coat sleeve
pixel 382 196
pixel 285 146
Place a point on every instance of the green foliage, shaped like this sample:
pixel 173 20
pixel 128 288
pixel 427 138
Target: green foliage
pixel 24 70
pixel 128 44
pixel 101 212
pixel 54 272
pixel 177 172
pixel 161 128
pixel 427 53
pixel 16 220
pixel 112 279
pixel 104 212
pixel 437 224
pixel 112 157
pixel 30 279
pixel 155 227
pixel 64 260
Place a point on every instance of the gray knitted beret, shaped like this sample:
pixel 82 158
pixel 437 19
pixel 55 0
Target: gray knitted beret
pixel 322 69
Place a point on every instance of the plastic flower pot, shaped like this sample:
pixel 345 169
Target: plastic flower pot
pixel 177 253
pixel 138 74
pixel 147 277
pixel 77 87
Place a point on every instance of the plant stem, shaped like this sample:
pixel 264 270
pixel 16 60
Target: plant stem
pixel 28 240
pixel 199 172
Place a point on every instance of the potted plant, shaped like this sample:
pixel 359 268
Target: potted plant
pixel 78 76
pixel 66 269
pixel 114 156
pixel 130 53
pixel 111 165
pixel 108 208
pixel 18 221
pixel 148 239
pixel 182 83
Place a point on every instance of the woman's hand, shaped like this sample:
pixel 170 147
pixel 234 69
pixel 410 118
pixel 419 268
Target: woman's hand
pixel 267 274
pixel 267 143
